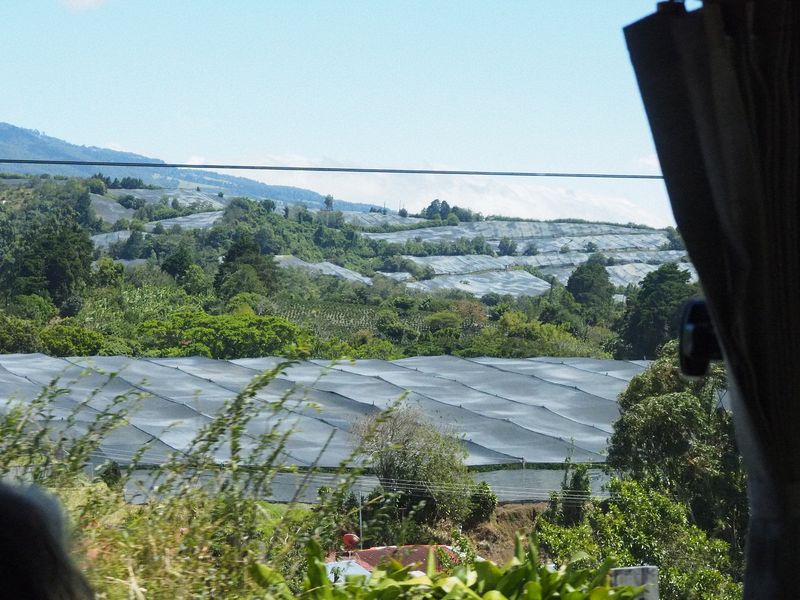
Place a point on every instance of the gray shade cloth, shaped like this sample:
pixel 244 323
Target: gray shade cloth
pixel 721 86
pixel 507 410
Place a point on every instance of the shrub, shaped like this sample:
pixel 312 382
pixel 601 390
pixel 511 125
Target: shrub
pixel 71 306
pixel 33 308
pixel 483 503
pixel 18 335
pixel 71 340
pixel 224 336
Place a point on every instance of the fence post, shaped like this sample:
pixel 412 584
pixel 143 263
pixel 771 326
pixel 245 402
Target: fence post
pixel 645 575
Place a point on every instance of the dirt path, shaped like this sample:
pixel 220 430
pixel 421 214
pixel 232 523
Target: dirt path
pixel 495 539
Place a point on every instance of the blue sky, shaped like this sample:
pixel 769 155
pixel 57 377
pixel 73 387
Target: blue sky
pixel 507 85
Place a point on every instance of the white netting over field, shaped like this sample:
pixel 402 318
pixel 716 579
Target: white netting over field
pixel 539 409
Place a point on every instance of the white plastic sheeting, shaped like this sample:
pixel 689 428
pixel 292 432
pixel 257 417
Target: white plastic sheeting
pixel 514 283
pixel 104 240
pixel 633 273
pixel 203 220
pixel 109 210
pixel 525 230
pixel 473 263
pixel 184 196
pixel 538 409
pixel 373 219
pixel 324 268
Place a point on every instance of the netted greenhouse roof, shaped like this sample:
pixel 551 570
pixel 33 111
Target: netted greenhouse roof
pixel 104 240
pixel 515 283
pixel 524 230
pixel 324 268
pixel 633 273
pixel 375 219
pixel 184 196
pixel 473 263
pixel 539 409
pixel 109 210
pixel 204 220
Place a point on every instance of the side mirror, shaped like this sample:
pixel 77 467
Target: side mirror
pixel 698 342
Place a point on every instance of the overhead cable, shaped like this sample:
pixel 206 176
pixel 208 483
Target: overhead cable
pixel 387 171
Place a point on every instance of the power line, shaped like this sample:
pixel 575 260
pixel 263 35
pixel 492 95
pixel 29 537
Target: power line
pixel 162 165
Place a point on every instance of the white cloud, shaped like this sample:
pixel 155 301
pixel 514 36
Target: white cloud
pixel 82 4
pixel 115 146
pixel 196 160
pixel 650 161
pixel 517 197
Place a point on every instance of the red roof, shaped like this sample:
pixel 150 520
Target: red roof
pixel 416 556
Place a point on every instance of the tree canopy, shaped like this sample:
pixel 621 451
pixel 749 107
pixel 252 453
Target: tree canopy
pixel 404 448
pixel 653 313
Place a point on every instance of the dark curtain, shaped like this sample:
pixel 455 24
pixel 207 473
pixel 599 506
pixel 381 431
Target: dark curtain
pixel 720 86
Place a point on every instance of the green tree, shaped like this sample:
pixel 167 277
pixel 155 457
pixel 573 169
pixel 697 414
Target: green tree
pixel 195 280
pixel 244 279
pixel 652 315
pixel 132 247
pixel 444 319
pixel 71 340
pixel 245 252
pixel 531 249
pixel 107 272
pixel 638 525
pixel 433 211
pixel 569 507
pixel 515 335
pixel 674 240
pixel 33 307
pixel 56 261
pixel 402 447
pixel 483 503
pixel 96 186
pixel 388 322
pixel 674 435
pixel 590 286
pixel 18 335
pixel 507 247
pixel 188 332
pixel 329 202
pixel 178 261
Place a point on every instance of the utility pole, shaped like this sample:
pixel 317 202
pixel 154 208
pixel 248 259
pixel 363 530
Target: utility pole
pixel 360 523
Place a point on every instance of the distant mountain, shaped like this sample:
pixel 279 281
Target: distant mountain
pixel 16 142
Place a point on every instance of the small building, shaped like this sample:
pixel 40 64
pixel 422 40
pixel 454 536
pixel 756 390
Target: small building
pixel 363 562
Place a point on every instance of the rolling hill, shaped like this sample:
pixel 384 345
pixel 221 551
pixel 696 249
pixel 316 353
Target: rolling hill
pixel 16 142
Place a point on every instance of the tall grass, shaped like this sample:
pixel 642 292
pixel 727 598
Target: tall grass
pixel 204 520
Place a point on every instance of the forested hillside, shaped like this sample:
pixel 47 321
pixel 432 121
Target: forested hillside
pixel 89 268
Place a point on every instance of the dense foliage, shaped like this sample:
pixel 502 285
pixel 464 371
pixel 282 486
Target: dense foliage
pixel 226 276
pixel 654 311
pixel 643 526
pixel 679 501
pixel 676 436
